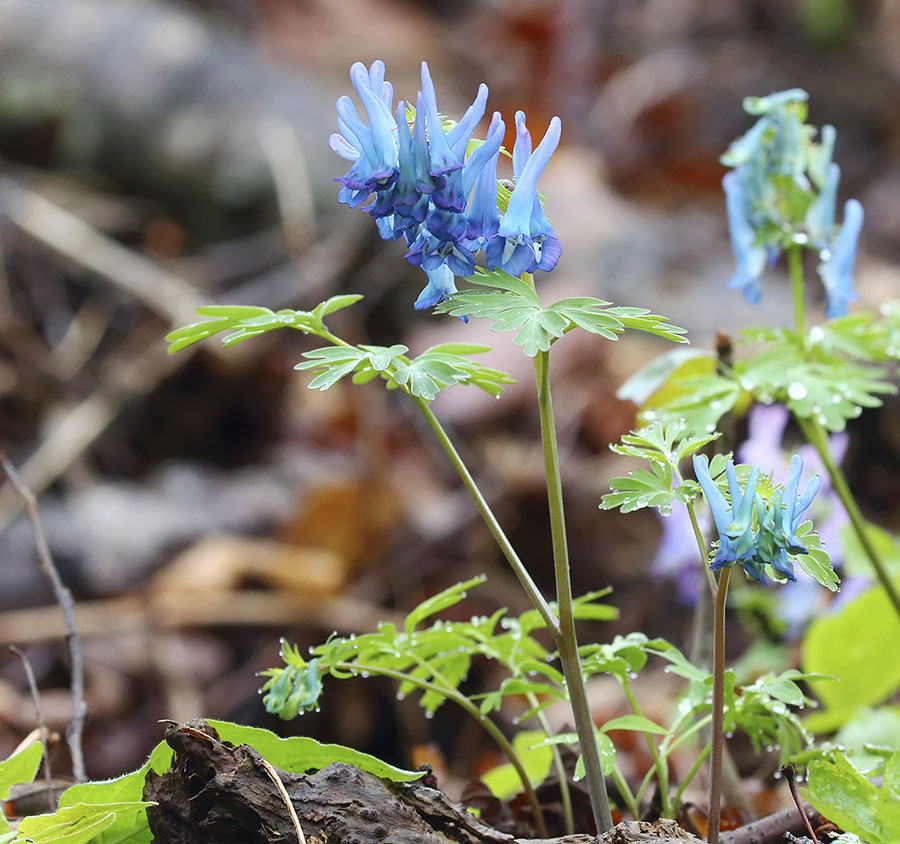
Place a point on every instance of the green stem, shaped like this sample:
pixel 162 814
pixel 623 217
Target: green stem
pixel 795 266
pixel 625 793
pixel 566 643
pixel 701 544
pixel 489 726
pixel 817 437
pixel 660 764
pixel 693 730
pixel 518 567
pixel 718 711
pixel 565 794
pixel 691 774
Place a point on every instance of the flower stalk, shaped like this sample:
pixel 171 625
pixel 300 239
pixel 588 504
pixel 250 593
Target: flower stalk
pixel 815 435
pixel 567 643
pixel 718 713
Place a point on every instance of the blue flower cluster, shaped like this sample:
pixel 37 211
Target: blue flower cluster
pixel 776 521
pixel 783 189
pixel 425 189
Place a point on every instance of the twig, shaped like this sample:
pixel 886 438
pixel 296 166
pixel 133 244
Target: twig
pixel 67 605
pixel 788 771
pixel 290 176
pixel 770 829
pixel 164 293
pixel 39 718
pixel 273 775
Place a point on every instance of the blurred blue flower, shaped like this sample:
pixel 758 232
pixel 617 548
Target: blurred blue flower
pixel 783 192
pixel 837 269
pixel 749 256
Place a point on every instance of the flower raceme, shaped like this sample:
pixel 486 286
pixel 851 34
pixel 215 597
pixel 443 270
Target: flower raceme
pixel 436 188
pixel 783 192
pixel 753 531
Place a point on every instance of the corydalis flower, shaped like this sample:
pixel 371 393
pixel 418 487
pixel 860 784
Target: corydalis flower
pixel 776 520
pixel 425 189
pixel 525 240
pixel 783 192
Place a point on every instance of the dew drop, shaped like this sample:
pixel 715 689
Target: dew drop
pixel 318 709
pixel 816 334
pixel 311 649
pixel 821 419
pixel 650 415
pixel 710 428
pixel 429 714
pixel 816 409
pixel 364 675
pixel 770 748
pixel 401 696
pixel 777 775
pixel 729 734
pixel 797 391
pixel 632 675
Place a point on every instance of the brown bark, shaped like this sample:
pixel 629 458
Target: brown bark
pixel 216 792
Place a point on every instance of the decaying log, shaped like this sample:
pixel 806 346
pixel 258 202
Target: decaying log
pixel 217 792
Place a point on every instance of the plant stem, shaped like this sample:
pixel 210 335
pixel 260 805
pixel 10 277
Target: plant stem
pixel 487 724
pixel 701 544
pixel 718 714
pixel 701 757
pixel 795 266
pixel 566 643
pixel 817 437
pixel 565 793
pixel 660 764
pixel 518 567
pixel 625 793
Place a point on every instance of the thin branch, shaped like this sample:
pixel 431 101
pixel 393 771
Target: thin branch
pixel 282 791
pixel 67 605
pixel 39 719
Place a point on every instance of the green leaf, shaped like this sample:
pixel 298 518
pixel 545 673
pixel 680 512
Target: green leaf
pixel 851 645
pixel 331 363
pixel 638 723
pixel 335 303
pixel 221 318
pixel 639 319
pixel 99 823
pixel 513 305
pixel 19 768
pixel 299 754
pixel 847 798
pixel 439 367
pixel 436 603
pixel 664 448
pixel 856 561
pixel 816 562
pixel 647 384
pixel 536 758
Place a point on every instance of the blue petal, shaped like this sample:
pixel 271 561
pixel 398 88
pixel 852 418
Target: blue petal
pixel 441 284
pixel 750 257
pixel 458 136
pixel 717 504
pixel 837 271
pixel 820 216
pixel 442 158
